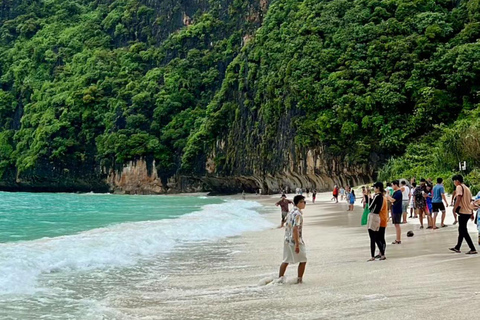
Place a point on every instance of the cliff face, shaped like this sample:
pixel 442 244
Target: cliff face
pixel 143 96
pixel 121 85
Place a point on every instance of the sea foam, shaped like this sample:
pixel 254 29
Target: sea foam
pixel 22 263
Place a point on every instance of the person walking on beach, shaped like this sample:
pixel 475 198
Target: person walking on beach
pixel 464 210
pixel 335 194
pixel 374 222
pixel 437 203
pixel 397 200
pixel 283 203
pixel 419 201
pixel 342 193
pixel 314 195
pixel 405 200
pixel 293 245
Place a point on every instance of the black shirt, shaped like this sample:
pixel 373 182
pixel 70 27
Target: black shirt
pixel 376 204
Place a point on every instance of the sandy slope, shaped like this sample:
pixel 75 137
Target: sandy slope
pixel 421 279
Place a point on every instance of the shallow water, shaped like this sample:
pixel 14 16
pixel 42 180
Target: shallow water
pixel 97 249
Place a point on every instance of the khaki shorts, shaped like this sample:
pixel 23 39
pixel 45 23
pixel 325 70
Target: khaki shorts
pixel 290 256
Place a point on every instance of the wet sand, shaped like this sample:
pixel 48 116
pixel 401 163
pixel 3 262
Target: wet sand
pixel 421 278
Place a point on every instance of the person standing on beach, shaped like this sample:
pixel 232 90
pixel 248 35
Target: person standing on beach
pixel 383 222
pixel 342 193
pixel 364 193
pixel 437 203
pixel 412 209
pixel 405 200
pixel 351 198
pixel 389 193
pixel 374 222
pixel 367 199
pixel 464 210
pixel 397 200
pixel 314 195
pixel 293 245
pixel 419 201
pixel 283 203
pixel 429 206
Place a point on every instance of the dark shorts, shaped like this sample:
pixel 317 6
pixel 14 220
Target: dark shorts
pixel 396 218
pixel 438 207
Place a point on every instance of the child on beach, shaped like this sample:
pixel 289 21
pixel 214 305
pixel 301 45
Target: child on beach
pixel 293 245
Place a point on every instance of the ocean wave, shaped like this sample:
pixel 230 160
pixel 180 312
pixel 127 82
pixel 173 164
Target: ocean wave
pixel 22 263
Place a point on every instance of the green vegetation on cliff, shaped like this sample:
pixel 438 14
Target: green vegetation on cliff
pixel 86 83
pixel 96 83
pixel 363 78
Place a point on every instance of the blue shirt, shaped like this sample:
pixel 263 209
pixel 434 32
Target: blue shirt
pixel 438 190
pixel 397 205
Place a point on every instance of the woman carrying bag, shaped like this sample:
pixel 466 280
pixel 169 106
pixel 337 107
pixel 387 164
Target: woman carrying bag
pixel 374 222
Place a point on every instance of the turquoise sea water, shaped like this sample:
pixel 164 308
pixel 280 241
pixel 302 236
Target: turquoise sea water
pixel 29 216
pixel 71 256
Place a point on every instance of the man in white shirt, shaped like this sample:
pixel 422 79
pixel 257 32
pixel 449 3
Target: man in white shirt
pixel 293 246
pixel 405 199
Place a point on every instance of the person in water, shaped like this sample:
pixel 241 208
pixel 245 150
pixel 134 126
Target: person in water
pixel 293 245
pixel 283 203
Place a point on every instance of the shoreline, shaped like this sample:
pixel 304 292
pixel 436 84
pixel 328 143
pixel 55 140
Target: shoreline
pixel 421 278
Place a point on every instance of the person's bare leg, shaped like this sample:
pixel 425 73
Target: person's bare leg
pixel 398 232
pixel 429 220
pixel 301 271
pixel 405 217
pixel 434 220
pixel 443 218
pixel 420 217
pixel 283 268
pixel 455 216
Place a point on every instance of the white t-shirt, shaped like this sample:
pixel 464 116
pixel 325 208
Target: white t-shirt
pixel 405 193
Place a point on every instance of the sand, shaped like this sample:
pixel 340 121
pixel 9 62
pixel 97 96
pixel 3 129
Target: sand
pixel 421 278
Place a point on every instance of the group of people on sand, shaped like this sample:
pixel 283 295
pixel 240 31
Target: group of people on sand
pixel 381 205
pixel 347 194
pixel 426 200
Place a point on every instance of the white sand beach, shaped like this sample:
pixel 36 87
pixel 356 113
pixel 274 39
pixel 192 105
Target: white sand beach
pixel 421 278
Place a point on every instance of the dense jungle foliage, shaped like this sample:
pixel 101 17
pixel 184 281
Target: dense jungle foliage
pixel 365 78
pixel 88 83
pixel 95 83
